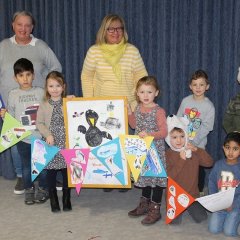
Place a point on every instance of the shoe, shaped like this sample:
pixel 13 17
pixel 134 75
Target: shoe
pixel 54 200
pixel 59 185
pixel 19 188
pixel 41 195
pixel 107 189
pixel 67 206
pixel 29 196
pixel 153 214
pixel 141 209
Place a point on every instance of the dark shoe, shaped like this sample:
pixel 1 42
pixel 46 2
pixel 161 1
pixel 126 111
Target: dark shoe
pixel 29 196
pixel 141 209
pixel 54 200
pixel 19 188
pixel 153 214
pixel 41 195
pixel 107 189
pixel 67 206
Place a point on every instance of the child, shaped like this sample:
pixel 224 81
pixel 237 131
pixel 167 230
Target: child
pixel 225 175
pixel 51 125
pixel 149 120
pixel 22 104
pixel 200 112
pixel 183 161
pixel 231 119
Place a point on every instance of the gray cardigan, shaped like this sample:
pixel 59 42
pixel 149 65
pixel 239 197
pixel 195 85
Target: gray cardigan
pixel 44 115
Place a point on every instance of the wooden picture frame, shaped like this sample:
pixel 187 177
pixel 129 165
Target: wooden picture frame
pixel 93 122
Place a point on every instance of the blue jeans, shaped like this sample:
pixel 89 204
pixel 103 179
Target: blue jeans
pixel 226 222
pixel 17 163
pixel 24 150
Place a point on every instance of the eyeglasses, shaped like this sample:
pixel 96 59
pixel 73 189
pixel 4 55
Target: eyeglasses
pixel 117 29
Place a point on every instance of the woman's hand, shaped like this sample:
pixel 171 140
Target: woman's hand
pixel 50 140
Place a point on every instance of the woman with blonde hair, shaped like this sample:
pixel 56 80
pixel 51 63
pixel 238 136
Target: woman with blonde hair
pixel 112 66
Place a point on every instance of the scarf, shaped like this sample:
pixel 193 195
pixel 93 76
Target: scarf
pixel 112 53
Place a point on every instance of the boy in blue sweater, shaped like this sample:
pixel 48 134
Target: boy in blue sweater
pixel 224 175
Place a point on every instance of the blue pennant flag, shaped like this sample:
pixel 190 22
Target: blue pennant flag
pixel 41 154
pixel 153 166
pixel 110 155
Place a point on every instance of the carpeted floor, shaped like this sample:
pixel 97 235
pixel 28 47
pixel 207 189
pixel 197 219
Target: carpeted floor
pixel 96 215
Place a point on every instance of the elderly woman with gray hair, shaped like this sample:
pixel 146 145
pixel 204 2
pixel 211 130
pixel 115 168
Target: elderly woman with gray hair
pixel 22 45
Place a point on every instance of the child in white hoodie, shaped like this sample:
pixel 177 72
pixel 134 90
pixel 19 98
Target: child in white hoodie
pixel 183 160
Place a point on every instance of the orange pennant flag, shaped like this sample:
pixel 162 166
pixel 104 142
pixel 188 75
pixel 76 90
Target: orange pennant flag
pixel 177 200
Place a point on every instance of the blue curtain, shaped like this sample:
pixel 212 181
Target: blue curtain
pixel 175 38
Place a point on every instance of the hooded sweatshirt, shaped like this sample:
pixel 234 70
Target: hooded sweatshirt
pixel 185 172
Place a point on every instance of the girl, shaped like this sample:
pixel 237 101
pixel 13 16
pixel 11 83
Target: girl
pixel 50 124
pixel 149 120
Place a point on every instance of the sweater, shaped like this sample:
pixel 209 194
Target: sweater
pixel 98 78
pixel 201 115
pixel 23 105
pixel 37 51
pixel 231 119
pixel 224 176
pixel 185 172
pixel 44 115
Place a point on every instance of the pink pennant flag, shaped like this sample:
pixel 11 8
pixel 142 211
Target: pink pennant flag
pixel 76 160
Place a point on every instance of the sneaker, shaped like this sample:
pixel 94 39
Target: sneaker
pixel 19 188
pixel 29 196
pixel 59 185
pixel 41 195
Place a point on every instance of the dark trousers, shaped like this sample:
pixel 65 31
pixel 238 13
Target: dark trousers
pixel 52 178
pixel 155 193
pixel 24 150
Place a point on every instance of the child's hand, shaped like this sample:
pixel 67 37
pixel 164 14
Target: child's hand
pixel 2 112
pixel 129 109
pixel 70 96
pixel 50 140
pixel 183 155
pixel 143 134
pixel 191 147
pixel 229 209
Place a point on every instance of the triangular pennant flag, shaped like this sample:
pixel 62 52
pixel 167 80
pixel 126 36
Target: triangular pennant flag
pixel 110 155
pixel 76 160
pixel 218 201
pixel 177 200
pixel 2 105
pixel 12 132
pixel 41 155
pixel 135 149
pixel 153 166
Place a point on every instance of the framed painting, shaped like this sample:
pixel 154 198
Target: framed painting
pixel 96 123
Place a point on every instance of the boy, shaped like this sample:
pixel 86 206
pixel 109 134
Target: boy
pixel 22 104
pixel 183 161
pixel 225 175
pixel 200 112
